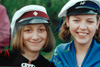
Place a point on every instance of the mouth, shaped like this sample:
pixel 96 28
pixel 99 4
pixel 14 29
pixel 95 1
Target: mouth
pixel 82 34
pixel 37 42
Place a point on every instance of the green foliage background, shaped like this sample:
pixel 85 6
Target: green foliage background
pixel 53 8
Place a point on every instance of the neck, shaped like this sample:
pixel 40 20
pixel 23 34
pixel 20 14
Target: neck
pixel 31 55
pixel 81 50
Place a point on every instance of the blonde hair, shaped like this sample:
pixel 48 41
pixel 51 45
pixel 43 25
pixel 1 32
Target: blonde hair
pixel 17 43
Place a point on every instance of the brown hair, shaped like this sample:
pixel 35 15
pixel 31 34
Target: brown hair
pixel 17 43
pixel 97 34
pixel 65 34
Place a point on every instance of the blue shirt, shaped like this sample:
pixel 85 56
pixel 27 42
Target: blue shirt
pixel 65 56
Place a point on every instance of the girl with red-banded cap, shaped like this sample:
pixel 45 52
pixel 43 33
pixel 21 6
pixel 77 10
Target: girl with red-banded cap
pixel 32 34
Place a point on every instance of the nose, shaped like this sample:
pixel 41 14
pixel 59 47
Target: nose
pixel 83 26
pixel 35 35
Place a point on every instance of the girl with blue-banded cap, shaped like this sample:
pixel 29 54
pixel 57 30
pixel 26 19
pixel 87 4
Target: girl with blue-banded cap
pixel 32 34
pixel 82 24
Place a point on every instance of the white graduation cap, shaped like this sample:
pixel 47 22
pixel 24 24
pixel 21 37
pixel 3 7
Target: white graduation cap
pixel 29 14
pixel 78 4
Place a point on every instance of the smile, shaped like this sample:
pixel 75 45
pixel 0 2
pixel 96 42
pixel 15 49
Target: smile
pixel 35 42
pixel 82 34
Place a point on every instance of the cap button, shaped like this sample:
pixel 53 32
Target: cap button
pixel 35 13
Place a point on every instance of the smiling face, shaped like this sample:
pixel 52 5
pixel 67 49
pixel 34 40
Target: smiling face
pixel 34 37
pixel 82 27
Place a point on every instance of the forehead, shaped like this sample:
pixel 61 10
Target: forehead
pixel 85 15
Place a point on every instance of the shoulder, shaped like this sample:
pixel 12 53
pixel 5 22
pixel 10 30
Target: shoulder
pixel 7 53
pixel 96 43
pixel 63 46
pixel 4 53
pixel 60 53
pixel 4 57
pixel 46 62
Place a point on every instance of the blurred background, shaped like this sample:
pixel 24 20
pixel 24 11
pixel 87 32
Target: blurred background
pixel 53 7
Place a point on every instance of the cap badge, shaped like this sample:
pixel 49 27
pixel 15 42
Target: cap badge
pixel 82 3
pixel 35 13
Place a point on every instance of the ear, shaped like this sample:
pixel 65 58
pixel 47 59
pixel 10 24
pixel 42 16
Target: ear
pixel 67 21
pixel 98 23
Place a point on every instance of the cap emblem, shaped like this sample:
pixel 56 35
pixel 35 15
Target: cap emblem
pixel 82 3
pixel 35 13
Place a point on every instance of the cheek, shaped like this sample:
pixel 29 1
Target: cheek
pixel 44 35
pixel 73 27
pixel 92 29
pixel 26 36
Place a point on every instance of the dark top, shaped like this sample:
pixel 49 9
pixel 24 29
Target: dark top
pixel 14 59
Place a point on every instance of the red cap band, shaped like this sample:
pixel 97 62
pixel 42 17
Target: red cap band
pixel 34 14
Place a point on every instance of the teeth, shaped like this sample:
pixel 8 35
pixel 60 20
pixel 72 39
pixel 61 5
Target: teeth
pixel 82 34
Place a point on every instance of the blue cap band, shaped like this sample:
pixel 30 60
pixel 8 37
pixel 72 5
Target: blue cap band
pixel 85 5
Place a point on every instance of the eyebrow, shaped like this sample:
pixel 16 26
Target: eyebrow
pixel 28 26
pixel 79 17
pixel 76 17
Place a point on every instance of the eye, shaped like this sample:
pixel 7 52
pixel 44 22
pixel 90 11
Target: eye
pixel 76 20
pixel 27 30
pixel 42 30
pixel 90 21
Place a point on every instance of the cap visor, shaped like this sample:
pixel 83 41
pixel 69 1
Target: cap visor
pixel 33 21
pixel 82 11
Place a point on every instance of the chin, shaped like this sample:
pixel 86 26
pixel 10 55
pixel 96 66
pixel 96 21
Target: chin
pixel 83 41
pixel 36 49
